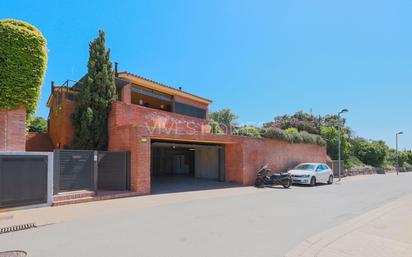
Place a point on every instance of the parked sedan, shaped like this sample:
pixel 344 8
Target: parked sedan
pixel 311 173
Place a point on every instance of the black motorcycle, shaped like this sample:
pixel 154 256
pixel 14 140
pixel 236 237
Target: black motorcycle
pixel 263 178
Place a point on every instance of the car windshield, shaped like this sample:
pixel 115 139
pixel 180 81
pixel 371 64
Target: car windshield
pixel 305 167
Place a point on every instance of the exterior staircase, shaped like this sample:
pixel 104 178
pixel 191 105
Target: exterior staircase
pixel 73 197
pixel 84 196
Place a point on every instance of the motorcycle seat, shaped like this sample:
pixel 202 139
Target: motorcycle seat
pixel 281 174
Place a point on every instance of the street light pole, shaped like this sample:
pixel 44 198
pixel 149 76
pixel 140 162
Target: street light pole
pixel 397 154
pixel 339 143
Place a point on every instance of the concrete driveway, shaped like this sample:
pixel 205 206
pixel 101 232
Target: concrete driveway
pixel 226 222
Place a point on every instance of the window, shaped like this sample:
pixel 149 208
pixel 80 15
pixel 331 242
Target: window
pixel 320 168
pixel 190 110
pixel 305 167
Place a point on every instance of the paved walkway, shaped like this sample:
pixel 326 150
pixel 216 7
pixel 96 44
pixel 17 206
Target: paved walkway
pixel 383 232
pixel 52 215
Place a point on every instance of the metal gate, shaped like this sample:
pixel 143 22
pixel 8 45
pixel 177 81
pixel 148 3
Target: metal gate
pixel 113 171
pixel 23 180
pixel 74 170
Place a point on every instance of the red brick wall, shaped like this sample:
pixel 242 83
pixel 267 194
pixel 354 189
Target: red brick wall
pixel 280 156
pixel 243 155
pixel 136 115
pixel 234 157
pixel 38 142
pixel 13 130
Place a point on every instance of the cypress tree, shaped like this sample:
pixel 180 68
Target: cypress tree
pixel 97 92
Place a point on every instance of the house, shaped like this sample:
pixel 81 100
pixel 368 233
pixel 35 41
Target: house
pixel 167 133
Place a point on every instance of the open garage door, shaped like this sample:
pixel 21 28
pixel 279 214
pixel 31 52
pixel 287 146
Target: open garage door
pixel 187 160
pixel 207 163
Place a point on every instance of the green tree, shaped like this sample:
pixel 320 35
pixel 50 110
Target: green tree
pixel 97 92
pixel 224 116
pixel 37 124
pixel 23 61
pixel 215 127
pixel 330 135
pixel 225 119
pixel 332 120
pixel 405 158
pixel 370 153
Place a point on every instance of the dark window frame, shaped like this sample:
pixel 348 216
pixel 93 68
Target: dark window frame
pixel 190 110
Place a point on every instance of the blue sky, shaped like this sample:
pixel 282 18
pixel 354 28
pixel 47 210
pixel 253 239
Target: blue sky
pixel 258 58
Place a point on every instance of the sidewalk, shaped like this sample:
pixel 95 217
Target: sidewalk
pixel 52 215
pixel 383 232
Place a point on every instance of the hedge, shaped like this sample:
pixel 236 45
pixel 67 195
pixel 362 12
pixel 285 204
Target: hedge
pixel 292 136
pixel 248 131
pixel 23 61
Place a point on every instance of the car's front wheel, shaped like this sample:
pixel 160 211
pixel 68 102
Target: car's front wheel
pixel 313 181
pixel 330 180
pixel 287 183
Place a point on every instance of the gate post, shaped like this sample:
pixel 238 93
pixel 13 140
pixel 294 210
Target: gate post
pixel 95 170
pixel 56 172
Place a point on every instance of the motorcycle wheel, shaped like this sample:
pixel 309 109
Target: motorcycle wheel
pixel 287 183
pixel 258 183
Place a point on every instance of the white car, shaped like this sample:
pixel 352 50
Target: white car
pixel 311 173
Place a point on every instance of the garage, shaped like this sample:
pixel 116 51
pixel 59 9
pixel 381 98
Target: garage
pixel 183 166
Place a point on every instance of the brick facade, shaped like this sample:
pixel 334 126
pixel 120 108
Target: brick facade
pixel 13 130
pixel 38 142
pixel 130 114
pixel 133 127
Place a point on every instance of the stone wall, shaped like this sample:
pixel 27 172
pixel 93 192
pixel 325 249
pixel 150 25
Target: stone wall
pixel 363 171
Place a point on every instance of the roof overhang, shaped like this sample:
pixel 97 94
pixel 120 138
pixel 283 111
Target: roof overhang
pixel 161 87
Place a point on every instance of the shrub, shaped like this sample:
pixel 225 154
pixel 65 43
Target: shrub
pixel 295 137
pixel 405 157
pixel 320 140
pixel 300 120
pixel 370 153
pixel 308 138
pixel 407 166
pixel 23 61
pixel 248 131
pixel 353 161
pixel 292 136
pixel 275 133
pixel 291 130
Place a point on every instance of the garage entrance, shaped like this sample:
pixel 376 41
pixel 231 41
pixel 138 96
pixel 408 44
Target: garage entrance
pixel 178 166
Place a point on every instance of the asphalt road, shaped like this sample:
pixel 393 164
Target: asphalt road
pixel 268 222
